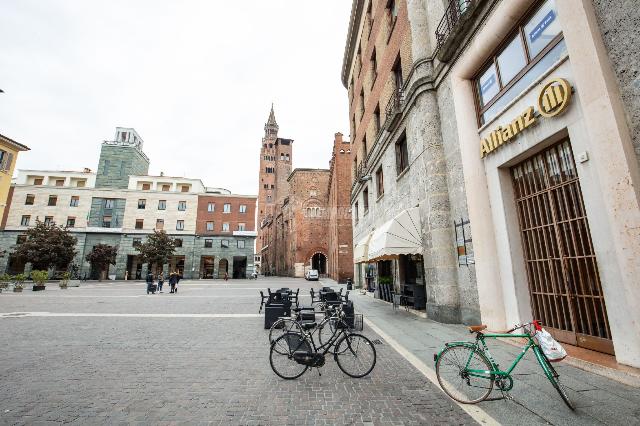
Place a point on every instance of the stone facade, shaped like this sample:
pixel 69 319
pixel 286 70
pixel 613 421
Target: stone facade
pixel 498 274
pixel 124 214
pixel 392 100
pixel 120 159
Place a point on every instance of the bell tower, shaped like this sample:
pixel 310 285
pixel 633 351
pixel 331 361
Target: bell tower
pixel 275 167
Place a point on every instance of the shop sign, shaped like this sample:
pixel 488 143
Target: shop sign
pixel 552 100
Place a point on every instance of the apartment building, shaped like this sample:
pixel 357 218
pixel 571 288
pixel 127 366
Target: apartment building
pixel 100 209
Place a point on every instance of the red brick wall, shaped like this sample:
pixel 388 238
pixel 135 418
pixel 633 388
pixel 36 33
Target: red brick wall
pixel 218 216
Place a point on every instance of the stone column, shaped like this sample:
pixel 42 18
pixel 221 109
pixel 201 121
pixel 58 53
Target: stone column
pixel 440 265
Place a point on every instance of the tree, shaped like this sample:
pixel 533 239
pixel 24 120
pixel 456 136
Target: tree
pixel 47 246
pixel 157 249
pixel 101 256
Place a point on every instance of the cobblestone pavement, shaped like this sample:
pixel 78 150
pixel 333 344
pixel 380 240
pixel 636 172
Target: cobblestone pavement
pixel 107 369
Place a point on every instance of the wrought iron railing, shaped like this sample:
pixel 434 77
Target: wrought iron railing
pixel 451 18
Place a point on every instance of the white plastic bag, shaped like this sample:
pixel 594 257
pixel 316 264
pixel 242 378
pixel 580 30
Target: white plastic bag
pixel 551 348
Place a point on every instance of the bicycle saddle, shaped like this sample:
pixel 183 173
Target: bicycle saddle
pixel 308 325
pixel 477 328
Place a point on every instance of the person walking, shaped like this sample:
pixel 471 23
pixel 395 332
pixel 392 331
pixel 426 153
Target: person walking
pixel 177 274
pixel 160 282
pixel 172 282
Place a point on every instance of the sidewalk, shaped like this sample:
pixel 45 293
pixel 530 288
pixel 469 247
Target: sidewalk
pixel 598 400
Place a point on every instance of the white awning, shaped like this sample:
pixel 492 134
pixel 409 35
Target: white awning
pixel 361 249
pixel 401 235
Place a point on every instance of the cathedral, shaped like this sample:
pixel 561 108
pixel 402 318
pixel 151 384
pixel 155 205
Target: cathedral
pixel 304 215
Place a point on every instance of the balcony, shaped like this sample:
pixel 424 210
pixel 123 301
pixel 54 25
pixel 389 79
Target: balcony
pixel 454 25
pixel 393 111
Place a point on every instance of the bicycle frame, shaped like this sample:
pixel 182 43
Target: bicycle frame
pixel 495 367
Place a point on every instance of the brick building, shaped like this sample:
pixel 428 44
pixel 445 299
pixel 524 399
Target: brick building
pixel 300 228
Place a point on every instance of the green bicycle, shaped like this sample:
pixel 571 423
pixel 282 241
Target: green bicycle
pixel 467 372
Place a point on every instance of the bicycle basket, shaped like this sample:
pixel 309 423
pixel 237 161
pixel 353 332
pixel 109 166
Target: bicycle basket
pixel 354 322
pixel 297 342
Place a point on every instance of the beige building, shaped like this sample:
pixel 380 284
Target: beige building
pixel 9 150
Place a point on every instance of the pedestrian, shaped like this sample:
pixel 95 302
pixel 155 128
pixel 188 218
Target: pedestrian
pixel 149 282
pixel 226 276
pixel 177 280
pixel 172 282
pixel 160 282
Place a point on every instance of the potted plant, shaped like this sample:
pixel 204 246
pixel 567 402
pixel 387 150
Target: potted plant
pixel 39 278
pixel 64 282
pixel 4 280
pixel 18 282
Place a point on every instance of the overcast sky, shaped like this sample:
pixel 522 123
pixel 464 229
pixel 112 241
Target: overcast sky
pixel 195 78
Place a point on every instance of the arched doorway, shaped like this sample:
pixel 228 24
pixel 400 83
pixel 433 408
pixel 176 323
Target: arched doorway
pixel 223 266
pixel 319 262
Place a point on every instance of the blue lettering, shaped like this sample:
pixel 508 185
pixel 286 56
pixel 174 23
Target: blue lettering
pixel 542 25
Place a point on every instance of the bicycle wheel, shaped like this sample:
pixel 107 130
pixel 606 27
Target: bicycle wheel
pixel 325 331
pixel 356 355
pixel 281 360
pixel 454 377
pixel 553 377
pixel 283 326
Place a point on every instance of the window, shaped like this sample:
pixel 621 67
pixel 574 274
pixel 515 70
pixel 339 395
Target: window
pixel 136 242
pixel 25 220
pixel 241 226
pixel 146 186
pixel 162 205
pixel 21 239
pixel 53 200
pixel 108 203
pixel 178 242
pixel 281 156
pixel 71 222
pixel 364 147
pixel 243 208
pixel 139 223
pixel 29 200
pixel 208 243
pixel 180 225
pixel 106 167
pixel 224 243
pixel 227 208
pixel 38 181
pixel 355 211
pixel 48 220
pixel 142 203
pixel 225 227
pixel 361 104
pixel 397 74
pixel 211 207
pixel 184 188
pixel 166 187
pixel 374 67
pixel 81 183
pixel 376 119
pixel 531 49
pixel 106 221
pixel 182 205
pixel 59 182
pixel 365 199
pixel 5 160
pixel 159 224
pixel 268 198
pixel 240 244
pixel 209 226
pixel 380 182
pixel 402 156
pixel 74 201
pixel 392 13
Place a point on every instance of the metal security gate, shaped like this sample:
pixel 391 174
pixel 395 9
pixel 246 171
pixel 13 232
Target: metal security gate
pixel 566 294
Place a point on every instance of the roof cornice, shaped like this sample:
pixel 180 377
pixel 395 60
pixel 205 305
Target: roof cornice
pixel 352 37
pixel 17 145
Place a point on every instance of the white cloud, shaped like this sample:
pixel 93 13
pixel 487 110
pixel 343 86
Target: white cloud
pixel 194 78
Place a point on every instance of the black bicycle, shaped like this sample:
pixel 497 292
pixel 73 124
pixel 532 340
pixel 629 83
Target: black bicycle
pixel 294 352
